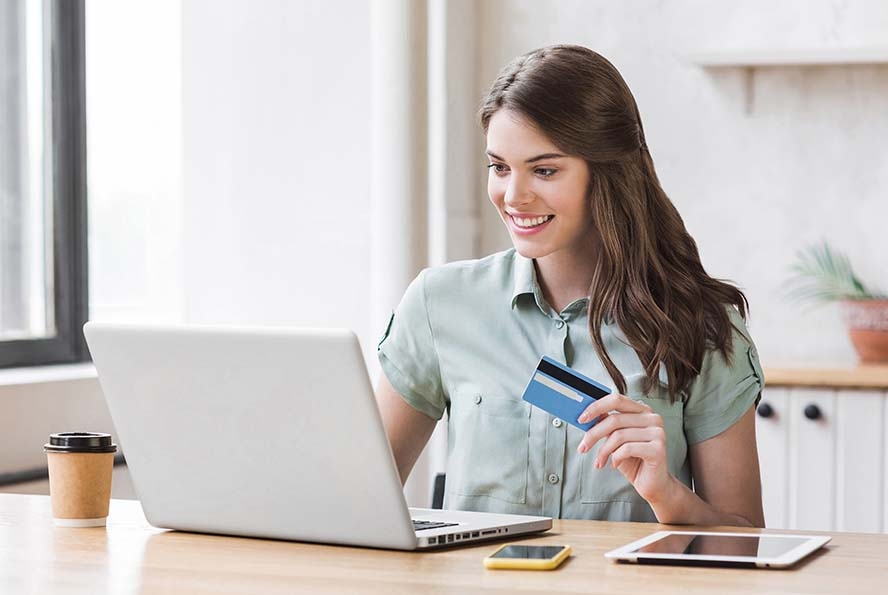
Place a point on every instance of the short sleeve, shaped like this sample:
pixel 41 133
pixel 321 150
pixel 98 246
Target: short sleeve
pixel 408 356
pixel 724 390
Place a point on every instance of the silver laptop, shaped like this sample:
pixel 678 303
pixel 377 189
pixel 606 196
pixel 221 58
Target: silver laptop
pixel 266 433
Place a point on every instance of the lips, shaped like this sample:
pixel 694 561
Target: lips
pixel 526 224
pixel 529 221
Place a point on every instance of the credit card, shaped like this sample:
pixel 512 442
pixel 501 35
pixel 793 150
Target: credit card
pixel 563 392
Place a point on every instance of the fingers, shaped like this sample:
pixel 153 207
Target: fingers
pixel 612 423
pixel 646 451
pixel 612 402
pixel 623 441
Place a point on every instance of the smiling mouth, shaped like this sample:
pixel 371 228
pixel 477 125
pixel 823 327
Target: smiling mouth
pixel 530 222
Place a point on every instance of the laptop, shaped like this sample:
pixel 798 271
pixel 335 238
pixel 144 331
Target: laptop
pixel 267 433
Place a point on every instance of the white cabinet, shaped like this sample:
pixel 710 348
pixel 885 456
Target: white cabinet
pixel 823 458
pixel 860 470
pixel 812 458
pixel 885 467
pixel 772 436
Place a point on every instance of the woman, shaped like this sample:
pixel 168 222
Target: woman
pixel 603 277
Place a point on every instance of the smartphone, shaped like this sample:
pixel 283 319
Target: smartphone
pixel 528 557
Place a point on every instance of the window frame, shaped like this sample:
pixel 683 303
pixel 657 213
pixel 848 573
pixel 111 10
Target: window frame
pixel 68 154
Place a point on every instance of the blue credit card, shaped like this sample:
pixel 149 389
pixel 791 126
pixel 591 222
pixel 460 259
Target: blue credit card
pixel 563 392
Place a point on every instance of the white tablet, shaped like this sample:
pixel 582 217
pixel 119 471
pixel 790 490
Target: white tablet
pixel 701 548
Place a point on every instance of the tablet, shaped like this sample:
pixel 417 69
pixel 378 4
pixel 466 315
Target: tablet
pixel 701 548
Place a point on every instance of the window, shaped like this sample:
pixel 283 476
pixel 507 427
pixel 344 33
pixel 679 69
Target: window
pixel 43 260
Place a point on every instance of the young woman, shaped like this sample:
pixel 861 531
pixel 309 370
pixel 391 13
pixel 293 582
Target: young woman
pixel 604 278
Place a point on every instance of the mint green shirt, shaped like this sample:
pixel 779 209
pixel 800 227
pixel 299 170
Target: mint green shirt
pixel 465 340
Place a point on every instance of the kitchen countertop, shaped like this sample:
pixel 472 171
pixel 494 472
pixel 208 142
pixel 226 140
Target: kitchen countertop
pixel 860 376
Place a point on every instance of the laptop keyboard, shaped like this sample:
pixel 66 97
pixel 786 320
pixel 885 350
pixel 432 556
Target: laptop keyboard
pixel 422 525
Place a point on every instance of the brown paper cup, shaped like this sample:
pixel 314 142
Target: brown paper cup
pixel 80 486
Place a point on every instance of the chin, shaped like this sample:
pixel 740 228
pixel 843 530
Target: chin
pixel 529 249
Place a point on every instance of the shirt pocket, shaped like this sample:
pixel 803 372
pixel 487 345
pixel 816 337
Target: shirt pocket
pixel 608 484
pixel 489 438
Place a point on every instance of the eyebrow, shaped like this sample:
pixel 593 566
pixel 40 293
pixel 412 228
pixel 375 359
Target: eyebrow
pixel 532 159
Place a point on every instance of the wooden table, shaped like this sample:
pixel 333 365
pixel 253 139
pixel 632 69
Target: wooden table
pixel 130 556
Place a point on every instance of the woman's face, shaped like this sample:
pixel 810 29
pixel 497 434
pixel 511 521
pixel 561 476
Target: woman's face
pixel 541 194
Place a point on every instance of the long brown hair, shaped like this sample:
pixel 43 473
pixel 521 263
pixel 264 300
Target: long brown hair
pixel 648 277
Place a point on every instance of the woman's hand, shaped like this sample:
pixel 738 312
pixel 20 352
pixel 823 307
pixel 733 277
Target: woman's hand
pixel 634 439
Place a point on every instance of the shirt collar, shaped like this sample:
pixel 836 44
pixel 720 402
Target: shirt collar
pixel 525 278
pixel 524 273
pixel 526 283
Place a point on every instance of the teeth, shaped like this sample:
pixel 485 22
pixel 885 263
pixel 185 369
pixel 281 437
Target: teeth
pixel 530 222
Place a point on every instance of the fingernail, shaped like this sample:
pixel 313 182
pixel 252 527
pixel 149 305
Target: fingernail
pixel 597 464
pixel 581 449
pixel 583 419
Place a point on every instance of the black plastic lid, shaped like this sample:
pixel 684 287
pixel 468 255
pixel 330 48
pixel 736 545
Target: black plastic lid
pixel 80 442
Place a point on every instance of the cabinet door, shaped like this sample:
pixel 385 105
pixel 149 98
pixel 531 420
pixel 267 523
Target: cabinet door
pixel 812 459
pixel 772 433
pixel 859 467
pixel 885 462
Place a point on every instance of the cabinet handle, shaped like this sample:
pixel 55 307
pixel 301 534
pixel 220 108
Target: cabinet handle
pixel 765 410
pixel 812 412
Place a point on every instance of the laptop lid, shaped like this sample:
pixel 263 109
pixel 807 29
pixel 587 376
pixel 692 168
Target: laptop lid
pixel 261 433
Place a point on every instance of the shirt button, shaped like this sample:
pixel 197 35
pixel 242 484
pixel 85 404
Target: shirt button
pixel 559 324
pixel 553 478
pixel 477 399
pixel 557 422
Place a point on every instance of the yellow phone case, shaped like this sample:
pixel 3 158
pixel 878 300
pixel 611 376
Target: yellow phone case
pixel 525 563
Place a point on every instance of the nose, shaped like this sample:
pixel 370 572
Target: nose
pixel 517 193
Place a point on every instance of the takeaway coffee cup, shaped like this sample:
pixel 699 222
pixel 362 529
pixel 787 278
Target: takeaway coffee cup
pixel 80 466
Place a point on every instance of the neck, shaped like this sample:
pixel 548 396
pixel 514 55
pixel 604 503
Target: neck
pixel 565 277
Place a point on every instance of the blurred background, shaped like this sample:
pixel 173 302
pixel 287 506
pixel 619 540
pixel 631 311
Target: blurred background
pixel 296 162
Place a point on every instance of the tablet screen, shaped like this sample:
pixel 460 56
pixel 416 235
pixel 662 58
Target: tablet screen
pixel 752 546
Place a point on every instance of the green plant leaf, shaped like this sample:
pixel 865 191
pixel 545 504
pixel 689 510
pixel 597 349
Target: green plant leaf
pixel 821 274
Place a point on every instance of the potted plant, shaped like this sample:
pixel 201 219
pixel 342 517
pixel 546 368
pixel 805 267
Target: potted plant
pixel 824 275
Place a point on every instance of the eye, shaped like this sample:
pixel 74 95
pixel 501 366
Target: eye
pixel 545 172
pixel 497 168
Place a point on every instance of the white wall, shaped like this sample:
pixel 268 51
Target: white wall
pixel 276 128
pixel 809 162
pixel 133 79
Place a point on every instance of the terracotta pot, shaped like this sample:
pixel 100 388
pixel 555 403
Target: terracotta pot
pixel 867 322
